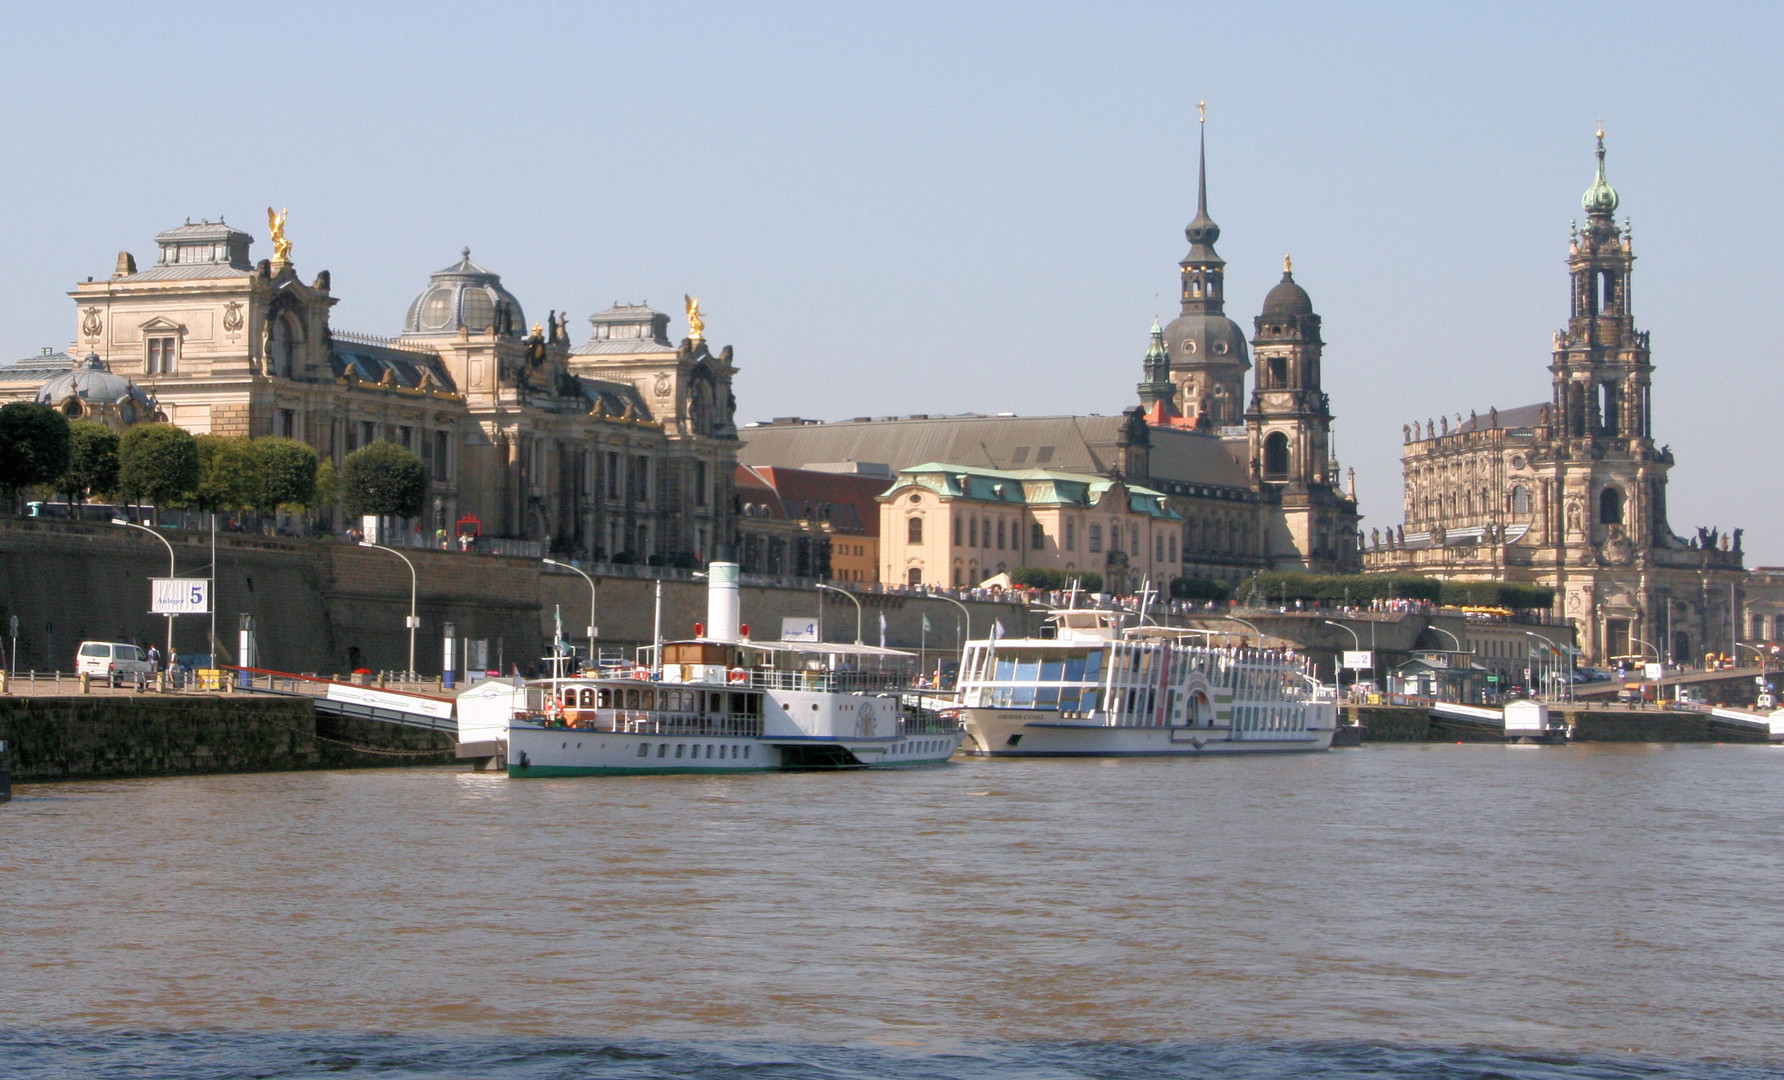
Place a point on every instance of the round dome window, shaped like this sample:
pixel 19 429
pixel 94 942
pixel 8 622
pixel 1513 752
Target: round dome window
pixel 477 308
pixel 436 310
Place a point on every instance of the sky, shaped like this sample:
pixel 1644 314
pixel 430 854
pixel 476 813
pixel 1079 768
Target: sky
pixel 951 208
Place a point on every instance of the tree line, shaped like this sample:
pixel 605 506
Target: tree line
pixel 167 466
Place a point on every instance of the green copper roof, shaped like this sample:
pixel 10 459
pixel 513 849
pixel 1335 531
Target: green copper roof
pixel 1600 198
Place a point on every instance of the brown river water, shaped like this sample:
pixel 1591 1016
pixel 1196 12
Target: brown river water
pixel 1593 899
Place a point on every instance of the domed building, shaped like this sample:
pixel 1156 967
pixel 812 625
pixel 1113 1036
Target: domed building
pixel 90 391
pixel 464 296
pixel 620 452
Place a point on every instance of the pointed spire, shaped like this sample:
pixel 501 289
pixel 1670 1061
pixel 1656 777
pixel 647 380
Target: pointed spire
pixel 1600 199
pixel 1202 231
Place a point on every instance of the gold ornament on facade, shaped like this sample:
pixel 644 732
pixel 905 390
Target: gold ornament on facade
pixel 232 318
pixel 91 324
pixel 696 326
pixel 276 223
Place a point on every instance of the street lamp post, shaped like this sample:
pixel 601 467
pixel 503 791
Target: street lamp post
pixel 1355 641
pixel 170 573
pixel 966 632
pixel 413 621
pixel 852 599
pixel 591 603
pixel 1551 675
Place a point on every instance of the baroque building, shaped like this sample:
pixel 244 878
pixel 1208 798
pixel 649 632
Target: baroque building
pixel 1571 493
pixel 623 448
pixel 1245 487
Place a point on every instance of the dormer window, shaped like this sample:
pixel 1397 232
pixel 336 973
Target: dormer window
pixel 163 354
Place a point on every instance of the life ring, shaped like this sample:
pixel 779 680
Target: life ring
pixel 738 675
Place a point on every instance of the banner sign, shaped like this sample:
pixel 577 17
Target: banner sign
pixel 180 596
pixel 1359 661
pixel 799 629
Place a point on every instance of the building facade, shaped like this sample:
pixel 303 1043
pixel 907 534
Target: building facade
pixel 1248 485
pixel 621 449
pixel 1571 492
pixel 943 524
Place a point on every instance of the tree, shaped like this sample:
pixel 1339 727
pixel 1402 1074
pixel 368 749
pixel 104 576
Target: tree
pixel 33 446
pixel 383 479
pixel 157 463
pixel 328 488
pixel 288 473
pixel 92 461
pixel 229 474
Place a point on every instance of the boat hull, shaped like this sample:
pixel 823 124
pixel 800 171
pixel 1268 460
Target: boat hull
pixel 1046 733
pixel 538 751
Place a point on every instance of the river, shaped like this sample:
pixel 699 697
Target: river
pixel 1432 910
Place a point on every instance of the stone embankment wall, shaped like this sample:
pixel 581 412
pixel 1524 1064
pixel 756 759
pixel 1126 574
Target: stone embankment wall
pixel 1398 723
pixel 328 607
pixel 83 738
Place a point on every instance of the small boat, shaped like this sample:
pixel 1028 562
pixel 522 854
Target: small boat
pixel 1093 687
pixel 719 703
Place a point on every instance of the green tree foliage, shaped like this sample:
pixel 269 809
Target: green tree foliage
pixel 1505 594
pixel 1042 577
pixel 1273 586
pixel 34 446
pixel 383 479
pixel 92 461
pixel 327 488
pixel 229 474
pixel 288 473
pixel 157 463
pixel 1188 588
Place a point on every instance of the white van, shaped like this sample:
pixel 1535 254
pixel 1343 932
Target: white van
pixel 105 657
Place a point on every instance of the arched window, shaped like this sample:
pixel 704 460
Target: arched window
pixel 1610 507
pixel 915 576
pixel 1279 371
pixel 914 530
pixel 1037 539
pixel 1276 456
pixel 1096 538
pixel 1520 500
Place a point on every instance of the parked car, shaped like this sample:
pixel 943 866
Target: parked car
pixel 108 657
pixel 190 662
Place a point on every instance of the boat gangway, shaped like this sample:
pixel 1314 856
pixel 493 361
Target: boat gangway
pixel 1518 720
pixel 355 700
pixel 1772 723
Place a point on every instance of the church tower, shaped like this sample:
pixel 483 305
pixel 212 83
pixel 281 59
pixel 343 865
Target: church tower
pixel 1614 493
pixel 1288 428
pixel 1206 349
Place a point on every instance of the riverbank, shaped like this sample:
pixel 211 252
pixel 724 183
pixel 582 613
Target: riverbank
pixel 117 735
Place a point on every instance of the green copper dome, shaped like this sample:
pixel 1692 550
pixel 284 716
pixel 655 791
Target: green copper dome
pixel 1600 198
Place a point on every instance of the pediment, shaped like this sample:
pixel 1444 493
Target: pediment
pixel 161 323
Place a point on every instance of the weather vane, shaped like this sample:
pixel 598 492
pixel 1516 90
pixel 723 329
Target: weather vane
pixel 1202 109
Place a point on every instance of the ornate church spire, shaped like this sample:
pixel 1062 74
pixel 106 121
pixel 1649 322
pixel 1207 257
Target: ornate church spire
pixel 1600 200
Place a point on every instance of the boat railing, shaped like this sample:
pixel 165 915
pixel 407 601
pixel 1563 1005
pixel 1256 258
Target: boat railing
pixel 643 722
pixel 830 682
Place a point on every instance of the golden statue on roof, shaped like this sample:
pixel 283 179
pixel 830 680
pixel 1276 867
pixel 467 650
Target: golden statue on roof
pixel 276 223
pixel 696 326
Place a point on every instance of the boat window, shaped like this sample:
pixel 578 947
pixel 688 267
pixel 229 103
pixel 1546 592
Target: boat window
pixel 1093 665
pixel 1052 670
pixel 1046 696
pixel 709 750
pixel 588 697
pixel 746 751
pixel 1074 669
pixel 570 697
pixel 1087 703
pixel 662 749
pixel 631 696
pixel 1068 699
pixel 1006 669
pixel 1028 669
pixel 678 748
pixel 604 698
pixel 644 749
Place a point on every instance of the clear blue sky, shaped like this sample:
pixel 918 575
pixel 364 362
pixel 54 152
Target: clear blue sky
pixel 957 208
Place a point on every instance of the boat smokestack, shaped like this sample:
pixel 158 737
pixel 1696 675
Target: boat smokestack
pixel 723 601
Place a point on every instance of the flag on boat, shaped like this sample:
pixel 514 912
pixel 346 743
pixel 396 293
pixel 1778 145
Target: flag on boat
pixel 997 630
pixel 882 629
pixel 926 627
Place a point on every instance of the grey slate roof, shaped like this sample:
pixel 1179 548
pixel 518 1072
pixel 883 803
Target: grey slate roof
pixel 621 347
pixel 1524 416
pixel 1079 444
pixel 36 369
pixel 369 363
pixel 188 272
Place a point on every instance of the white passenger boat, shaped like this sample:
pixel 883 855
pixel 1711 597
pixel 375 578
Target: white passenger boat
pixel 718 704
pixel 1093 688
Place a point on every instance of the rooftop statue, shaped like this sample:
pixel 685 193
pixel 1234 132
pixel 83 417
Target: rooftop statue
pixel 276 223
pixel 696 326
